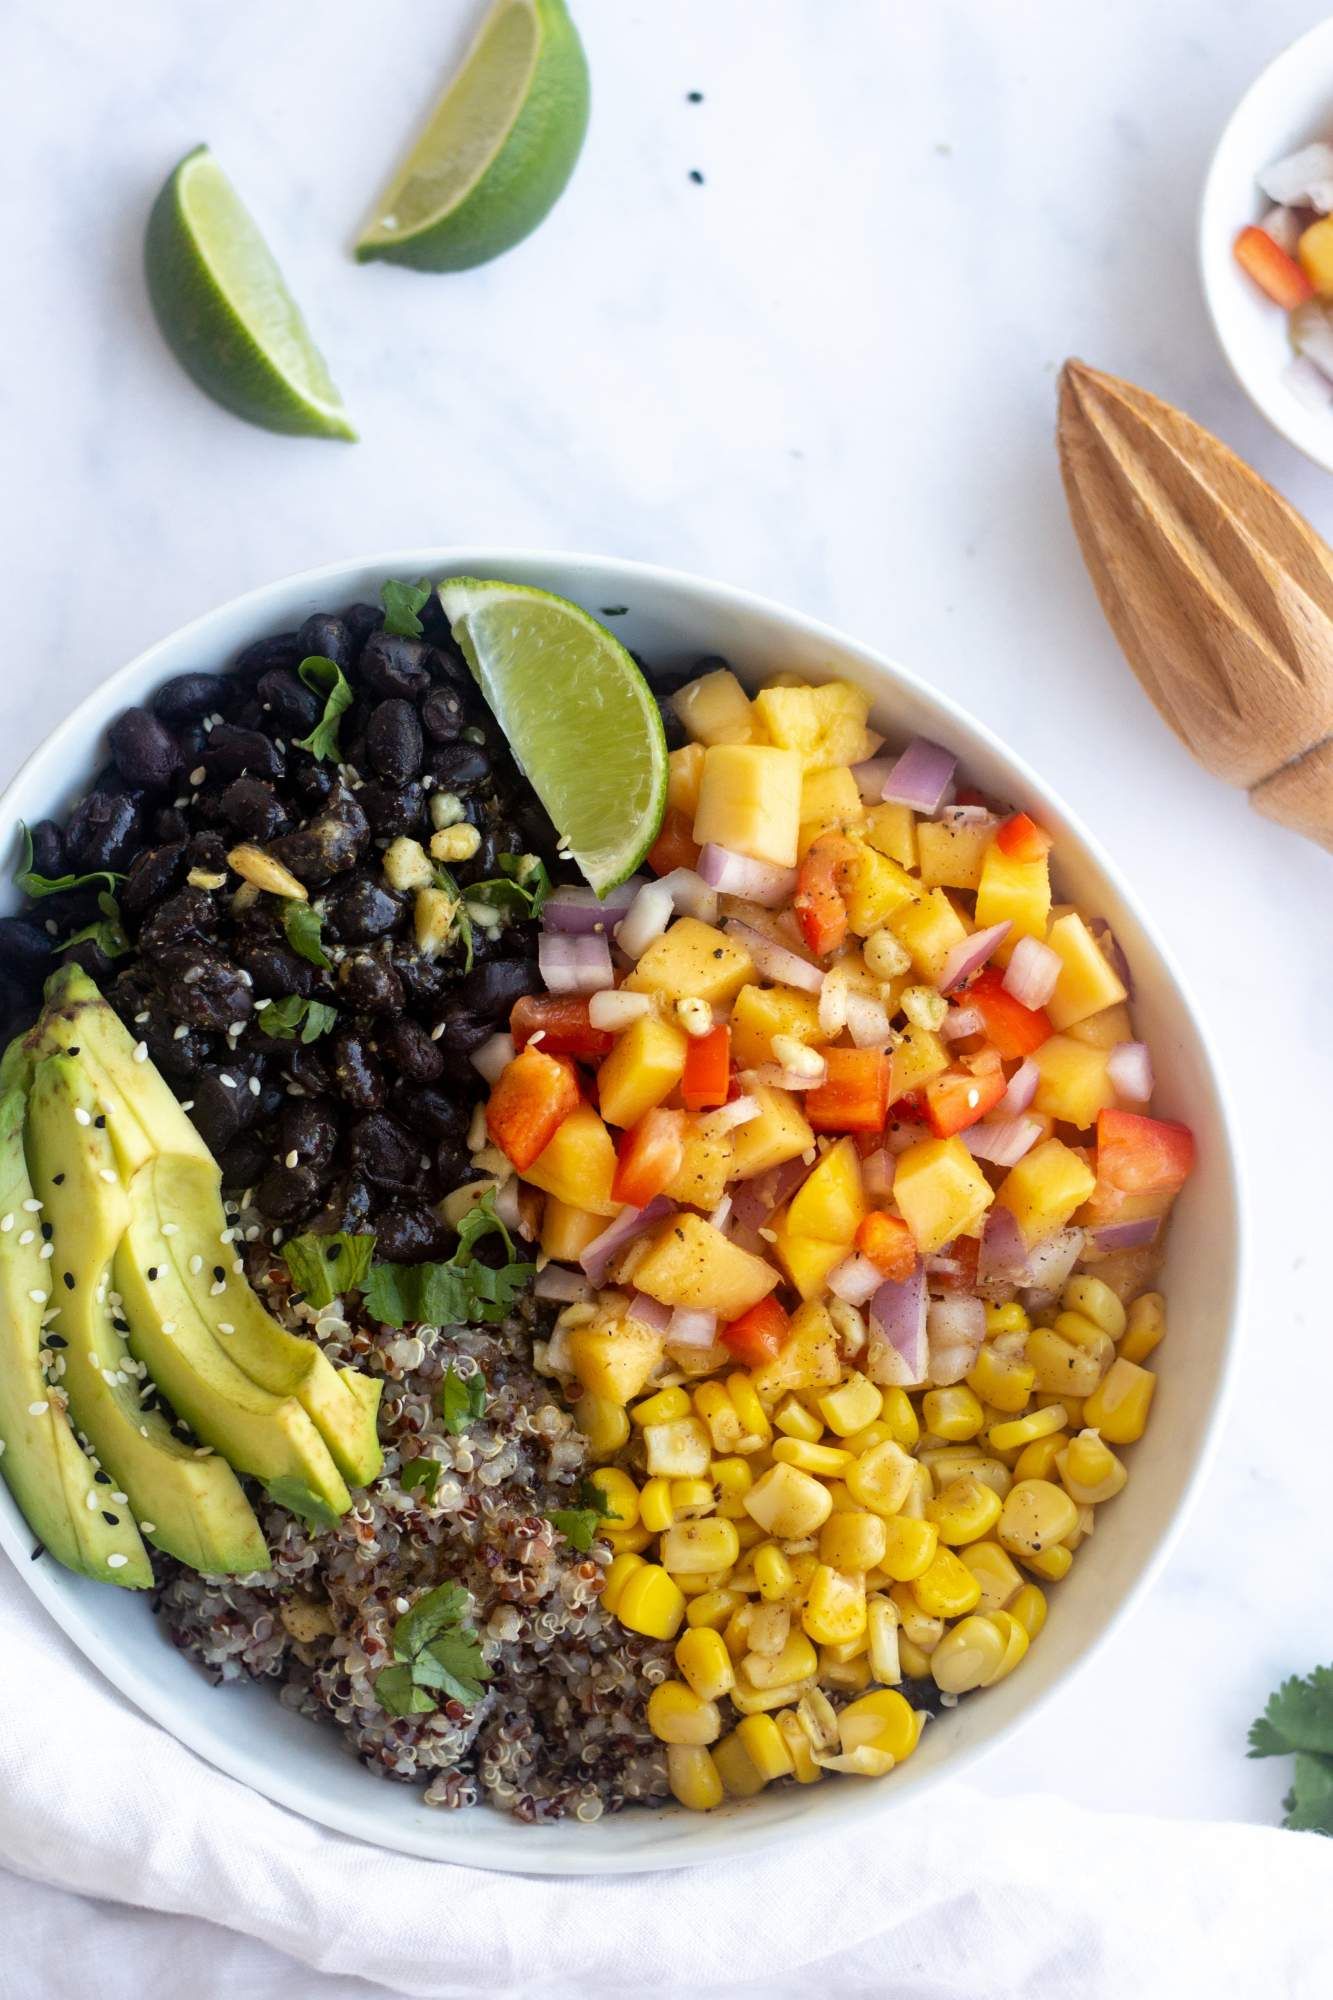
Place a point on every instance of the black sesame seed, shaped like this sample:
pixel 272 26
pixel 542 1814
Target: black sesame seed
pixel 100 1122
pixel 56 1340
pixel 47 1232
pixel 696 177
pixel 615 610
pixel 102 1478
pixel 58 1180
pixel 219 1273
pixel 72 1052
pixel 112 1520
pixel 40 1550
pixel 69 1280
pixel 694 97
pixel 152 1272
pixel 332 1253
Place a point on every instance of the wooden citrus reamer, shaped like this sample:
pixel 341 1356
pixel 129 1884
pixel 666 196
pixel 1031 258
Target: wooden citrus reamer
pixel 1219 593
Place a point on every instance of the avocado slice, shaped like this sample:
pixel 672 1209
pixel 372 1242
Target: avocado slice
pixel 196 1506
pixel 269 1436
pixel 141 1113
pixel 187 1200
pixel 53 1480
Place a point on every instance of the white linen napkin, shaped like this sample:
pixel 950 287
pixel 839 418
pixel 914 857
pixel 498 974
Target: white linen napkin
pixel 1022 1899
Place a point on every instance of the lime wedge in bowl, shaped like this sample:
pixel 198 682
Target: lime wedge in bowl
pixel 579 716
pixel 496 150
pixel 226 313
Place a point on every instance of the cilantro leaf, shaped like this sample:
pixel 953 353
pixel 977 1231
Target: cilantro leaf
pixel 324 677
pixel 324 1267
pixel 462 1399
pixel 1298 1717
pixel 402 602
pixel 579 1525
pixel 427 1618
pixel 454 1665
pixel 461 922
pixel 482 1220
pixel 521 887
pixel 108 934
pixel 303 926
pixel 32 884
pixel 398 1694
pixel 284 1018
pixel 461 1292
pixel 421 1472
pixel 1309 1803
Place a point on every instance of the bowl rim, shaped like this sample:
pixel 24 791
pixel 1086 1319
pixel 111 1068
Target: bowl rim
pixel 1311 432
pixel 857 1805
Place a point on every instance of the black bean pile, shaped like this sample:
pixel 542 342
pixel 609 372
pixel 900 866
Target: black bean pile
pixel 365 1127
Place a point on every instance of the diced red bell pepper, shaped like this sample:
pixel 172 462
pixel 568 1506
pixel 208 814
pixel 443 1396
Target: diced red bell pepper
pixel 1142 1155
pixel 820 909
pixel 531 1098
pixel 962 1255
pixel 1014 1030
pixel 563 1024
pixel 707 1074
pixel 649 1157
pixel 888 1243
pixel 675 845
pixel 1272 269
pixel 854 1096
pixel 758 1335
pixel 1022 839
pixel 959 1097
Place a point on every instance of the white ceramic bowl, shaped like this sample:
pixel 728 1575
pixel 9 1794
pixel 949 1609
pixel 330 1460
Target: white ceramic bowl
pixel 1286 107
pixel 243 1729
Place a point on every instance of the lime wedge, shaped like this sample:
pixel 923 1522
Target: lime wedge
pixel 497 149
pixel 225 312
pixel 579 716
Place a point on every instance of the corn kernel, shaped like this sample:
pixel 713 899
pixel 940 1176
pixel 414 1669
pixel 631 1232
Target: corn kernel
pixel 733 1478
pixel 753 1417
pixel 1085 1525
pixel 618 1570
pixel 1009 1318
pixel 736 1631
pixel 1096 1301
pixel 915 1664
pixel 773 1573
pixel 700 1586
pixel 1002 1380
pixel 717 1410
pixel 825 1461
pixel 1025 1430
pixel 793 1419
pixel 819 1719
pixel 924 1629
pixel 850 1407
pixel 804 1768
pixel 696 1548
pixel 835 1606
pixel 848 1676
pixel 693 1776
pixel 749 1700
pixel 1036 1516
pixel 964 1512
pixel 897 1412
pixel 882 1623
pixel 949 1462
pixel 605 1424
pixel 842 1500
pixel 1145 1327
pixel 953 1413
pixel 1119 1406
pixel 1000 1581
pixel 788 1503
pixel 1071 1405
pixel 678 1449
pixel 795 1660
pixel 885 1720
pixel 626 1541
pixel 711 1610
pixel 909 1547
pixel 655 1506
pixel 920 1490
pixel 676 1714
pixel 748 1533
pixel 1029 1608
pixel 1052 1565
pixel 769 1629
pixel 882 1479
pixel 1038 1460
pixel 691 1499
pixel 651 1602
pixel 969 1654
pixel 766 1746
pixel 858 1443
pixel 852 1541
pixel 735 1767
pixel 948 1588
pixel 664 1408
pixel 1059 1367
pixel 1085 1334
pixel 1089 1470
pixel 620 1494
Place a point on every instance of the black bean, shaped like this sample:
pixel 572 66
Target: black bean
pixel 48 847
pixel 673 728
pixel 443 714
pixel 412 1052
pixel 328 844
pixel 394 665
pixel 436 1114
pixel 187 697
pixel 312 781
pixel 190 913
pixel 170 824
pixel 24 946
pixel 365 909
pixel 457 764
pixel 308 1127
pixel 384 1152
pixel 349 1207
pixel 410 1233
pixel 279 651
pixel 288 1194
pixel 361 620
pixel 463 1036
pixel 426 983
pixel 252 715
pixel 369 985
pixel 254 809
pixel 453 1166
pixel 145 751
pixel 103 831
pixel 360 1083
pixel 489 991
pixel 221 1111
pixel 327 636
pixel 394 742
pixel 89 955
pixel 201 989
pixel 275 971
pixel 176 1055
pixel 244 1161
pixel 231 752
pixel 154 874
pixel 291 707
pixel 392 809
pixel 306 1066
pixel 207 851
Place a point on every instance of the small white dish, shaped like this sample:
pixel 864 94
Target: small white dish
pixel 673 620
pixel 1286 107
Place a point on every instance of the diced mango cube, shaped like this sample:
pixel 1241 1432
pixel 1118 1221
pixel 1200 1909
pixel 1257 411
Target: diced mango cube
pixel 918 1059
pixel 953 852
pixel 780 1133
pixel 578 1164
pixel 705 1168
pixel 614 1358
pixel 807 1260
pixel 716 709
pixel 567 1231
pixel 892 829
pixel 1074 1085
pixel 760 1012
pixel 842 710
pixel 1104 1030
pixel 831 797
pixel 875 888
pixel 644 1066
pixel 941 1192
pixel 929 928
pixel 692 1264
pixel 830 1203
pixel 692 960
pixel 824 725
pixel 809 1359
pixel 1044 1189
pixel 1088 982
pixel 1315 251
pixel 685 767
pixel 1016 892
pixel 750 801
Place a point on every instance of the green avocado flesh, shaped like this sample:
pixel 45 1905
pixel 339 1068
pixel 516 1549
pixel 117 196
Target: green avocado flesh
pixel 53 1480
pixel 192 1507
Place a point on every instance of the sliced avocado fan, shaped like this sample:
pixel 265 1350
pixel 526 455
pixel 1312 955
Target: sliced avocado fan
pixel 194 1508
pixel 64 1499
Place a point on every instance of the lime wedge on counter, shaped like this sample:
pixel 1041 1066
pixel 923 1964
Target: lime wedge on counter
pixel 225 312
pixel 578 714
pixel 497 149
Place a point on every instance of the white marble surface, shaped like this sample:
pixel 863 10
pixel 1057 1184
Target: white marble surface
pixel 827 373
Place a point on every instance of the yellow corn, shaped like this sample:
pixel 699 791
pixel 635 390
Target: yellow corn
pixel 825 1461
pixel 1071 1406
pixel 693 1776
pixel 678 1449
pixel 1052 1565
pixel 882 1479
pixel 1087 1522
pixel 617 1571
pixel 1096 1301
pixel 700 1586
pixel 769 1629
pixel 1029 1608
pixel 1089 1470
pixel 733 1479
pixel 750 1700
pixel 924 1629
pixel 835 1606
pixel 735 1767
pixel 655 1506
pixel 882 1623
pixel 697 1548
pixel 627 1541
pixel 1119 1406
pixel 794 1420
pixel 1145 1327
pixel 1060 1367
pixel 691 1499
pixel 848 1676
pixel 1025 1430
pixel 1038 1459
pixel 666 1407
pixel 920 1490
pixel 1036 1516
pixel 852 1541
pixel 949 1462
pixel 753 1418
pixel 970 1653
pixel 676 1714
pixel 842 1500
pixel 710 1612
pixel 847 1649
pixel 605 1424
pixel 766 1746
pixel 717 1410
pixel 909 1547
pixel 858 1443
pixel 955 1414
pixel 964 1511
pixel 651 1602
pixel 748 1533
pixel 736 1631
pixel 796 1662
pixel 773 1573
pixel 804 1768
pixel 915 1664
pixel 1002 1380
pixel 897 1412
pixel 885 1720
pixel 1016 1642
pixel 948 1588
pixel 1000 1581
pixel 788 1503
pixel 850 1407
pixel 620 1494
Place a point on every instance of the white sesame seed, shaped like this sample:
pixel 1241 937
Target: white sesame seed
pixel 217 1288
pixel 238 1266
pixel 437 1031
pixel 168 1326
pixel 290 1159
pixel 253 1086
pixel 148 1527
pixel 108 1174
pixel 227 1082
pixel 203 1451
pixel 92 1500
pixel 121 1499
pixel 33 1206
pixel 82 1117
pixel 111 1377
pixel 47 1250
pixel 27 1236
pixel 38 1298
pixel 179 1033
pixel 225 1326
pixel 143 1430
pixel 139 1019
pixel 198 774
pixel 196 1264
pixel 171 1229
pixel 116 1561
pixel 94 1360
pixel 141 1051
pixel 227 1236
pixel 6 1222
pixel 187 1104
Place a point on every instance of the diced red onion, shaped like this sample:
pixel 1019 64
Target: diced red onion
pixel 1111 952
pixel 1304 179
pixel 921 776
pixel 1021 1089
pixel 1128 1235
pixel 899 1354
pixel 856 1280
pixel 969 956
pixel 646 918
pixel 688 1328
pixel 720 1216
pixel 649 1312
pixel 1033 972
pixel 1308 382
pixel 871 778
pixel 727 1117
pixel 966 815
pixel 1129 1067
pixel 1311 331
pixel 740 875
pixel 571 964
pixel 900 1133
pixel 833 1007
pixel 569 909
pixel 690 895
pixel 941 1265
pixel 1054 1258
pixel 613 1009
pixel 877 1172
pixel 1003 1257
pixel 956 1320
pixel 753 1201
pixel 868 1021
pixel 494 1054
pixel 1002 1141
pixel 960 1021
pixel 630 1222
pixel 562 1285
pixel 774 961
pixel 1284 226
pixel 778 1078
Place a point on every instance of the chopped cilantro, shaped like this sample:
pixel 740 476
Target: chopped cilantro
pixel 284 1018
pixel 398 1693
pixel 303 926
pixel 579 1525
pixel 35 885
pixel 522 886
pixel 462 1399
pixel 438 1654
pixel 402 602
pixel 1299 1720
pixel 461 1292
pixel 324 677
pixel 461 922
pixel 421 1472
pixel 108 934
pixel 324 1267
